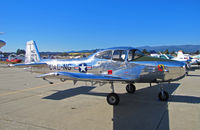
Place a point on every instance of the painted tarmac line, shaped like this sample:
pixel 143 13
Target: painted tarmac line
pixel 28 89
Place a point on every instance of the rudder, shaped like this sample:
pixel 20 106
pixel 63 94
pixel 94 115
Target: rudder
pixel 32 53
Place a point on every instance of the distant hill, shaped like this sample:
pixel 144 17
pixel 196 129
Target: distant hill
pixel 51 53
pixel 82 51
pixel 185 48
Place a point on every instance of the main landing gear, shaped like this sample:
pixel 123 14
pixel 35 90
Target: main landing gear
pixel 130 88
pixel 113 98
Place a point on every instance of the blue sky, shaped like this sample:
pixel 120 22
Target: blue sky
pixel 65 25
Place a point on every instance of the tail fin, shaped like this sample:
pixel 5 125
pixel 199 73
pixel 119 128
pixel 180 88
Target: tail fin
pixel 180 54
pixel 32 53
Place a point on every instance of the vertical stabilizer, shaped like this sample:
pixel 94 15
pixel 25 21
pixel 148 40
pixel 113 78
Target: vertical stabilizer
pixel 180 54
pixel 32 53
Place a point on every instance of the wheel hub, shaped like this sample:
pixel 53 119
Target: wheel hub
pixel 112 99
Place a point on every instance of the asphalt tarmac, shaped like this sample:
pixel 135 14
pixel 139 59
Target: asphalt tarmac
pixel 29 103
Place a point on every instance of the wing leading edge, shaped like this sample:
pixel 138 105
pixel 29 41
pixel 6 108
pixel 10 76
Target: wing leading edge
pixel 82 76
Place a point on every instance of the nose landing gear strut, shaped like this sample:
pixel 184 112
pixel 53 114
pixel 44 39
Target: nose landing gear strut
pixel 112 98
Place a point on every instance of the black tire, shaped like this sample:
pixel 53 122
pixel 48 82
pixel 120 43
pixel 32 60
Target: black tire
pixel 112 99
pixel 186 73
pixel 130 88
pixel 163 96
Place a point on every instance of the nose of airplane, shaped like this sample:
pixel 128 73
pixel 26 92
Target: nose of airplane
pixel 174 70
pixel 180 69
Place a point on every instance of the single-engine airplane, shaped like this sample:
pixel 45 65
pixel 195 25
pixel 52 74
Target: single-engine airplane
pixel 121 64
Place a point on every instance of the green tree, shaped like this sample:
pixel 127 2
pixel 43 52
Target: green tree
pixel 65 54
pixel 94 51
pixel 166 52
pixel 197 52
pixel 145 51
pixel 173 52
pixel 20 51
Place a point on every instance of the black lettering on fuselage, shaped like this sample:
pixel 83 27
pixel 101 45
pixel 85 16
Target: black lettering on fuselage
pixel 60 67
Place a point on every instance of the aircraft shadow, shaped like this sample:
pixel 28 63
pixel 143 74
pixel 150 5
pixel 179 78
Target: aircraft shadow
pixel 185 99
pixel 59 95
pixel 193 75
pixel 139 111
pixel 193 68
pixel 138 95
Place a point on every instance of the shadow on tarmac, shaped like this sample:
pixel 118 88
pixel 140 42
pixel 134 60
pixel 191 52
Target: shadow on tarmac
pixel 59 95
pixel 139 111
pixel 193 68
pixel 193 75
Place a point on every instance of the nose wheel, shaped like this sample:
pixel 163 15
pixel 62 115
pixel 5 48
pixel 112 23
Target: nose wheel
pixel 163 95
pixel 130 88
pixel 112 98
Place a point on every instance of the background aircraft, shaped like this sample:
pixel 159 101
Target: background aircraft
pixel 122 64
pixel 2 43
pixel 197 57
pixel 185 58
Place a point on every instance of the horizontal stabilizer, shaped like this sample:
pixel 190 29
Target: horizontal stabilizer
pixel 28 65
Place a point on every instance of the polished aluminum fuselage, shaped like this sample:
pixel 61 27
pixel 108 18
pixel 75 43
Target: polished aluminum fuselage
pixel 135 71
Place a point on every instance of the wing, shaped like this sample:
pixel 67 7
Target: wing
pixel 83 76
pixel 28 65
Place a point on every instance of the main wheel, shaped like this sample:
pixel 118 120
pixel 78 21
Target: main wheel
pixel 113 99
pixel 130 88
pixel 163 96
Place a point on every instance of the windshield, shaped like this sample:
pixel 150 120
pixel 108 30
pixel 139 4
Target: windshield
pixel 134 54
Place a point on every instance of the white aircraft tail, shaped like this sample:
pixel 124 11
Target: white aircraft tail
pixel 180 54
pixel 32 53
